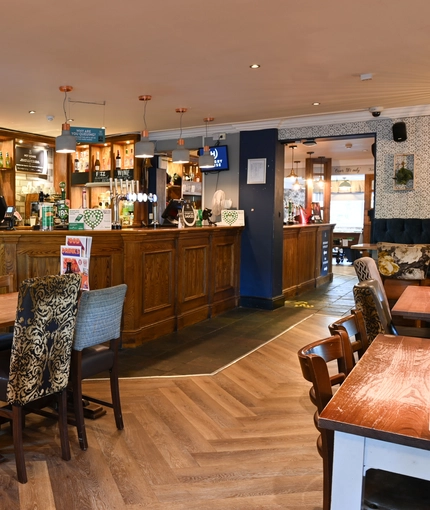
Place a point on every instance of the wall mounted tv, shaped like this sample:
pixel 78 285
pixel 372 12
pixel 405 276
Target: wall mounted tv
pixel 220 154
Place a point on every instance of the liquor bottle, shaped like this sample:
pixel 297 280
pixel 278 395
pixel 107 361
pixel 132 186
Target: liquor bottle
pixel 77 165
pixel 131 161
pixel 118 161
pixel 68 268
pixel 84 198
pixel 97 163
pixel 1 160
pixel 7 161
pixel 126 158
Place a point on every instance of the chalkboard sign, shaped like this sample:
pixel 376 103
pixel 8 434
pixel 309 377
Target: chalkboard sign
pixel 31 160
pixel 126 174
pixel 325 255
pixel 101 176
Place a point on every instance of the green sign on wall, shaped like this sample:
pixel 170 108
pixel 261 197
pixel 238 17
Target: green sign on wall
pixel 88 135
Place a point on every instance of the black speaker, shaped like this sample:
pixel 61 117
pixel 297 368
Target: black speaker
pixel 399 132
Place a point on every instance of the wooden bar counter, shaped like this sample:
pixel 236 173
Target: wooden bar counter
pixel 175 277
pixel 307 261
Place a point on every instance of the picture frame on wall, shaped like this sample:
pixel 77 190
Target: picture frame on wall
pixel 404 172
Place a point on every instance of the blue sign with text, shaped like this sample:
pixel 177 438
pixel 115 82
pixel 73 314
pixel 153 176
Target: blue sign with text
pixel 88 135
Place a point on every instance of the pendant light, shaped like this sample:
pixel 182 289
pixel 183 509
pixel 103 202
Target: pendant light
pixel 206 160
pixel 296 185
pixel 309 180
pixel 144 148
pixel 180 154
pixel 65 143
pixel 320 182
pixel 292 174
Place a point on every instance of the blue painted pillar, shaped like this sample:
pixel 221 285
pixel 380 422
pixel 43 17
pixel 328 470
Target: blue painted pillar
pixel 262 238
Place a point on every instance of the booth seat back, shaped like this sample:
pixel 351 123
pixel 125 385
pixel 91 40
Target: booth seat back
pixel 401 230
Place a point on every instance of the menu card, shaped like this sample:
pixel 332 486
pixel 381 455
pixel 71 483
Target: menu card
pixel 77 251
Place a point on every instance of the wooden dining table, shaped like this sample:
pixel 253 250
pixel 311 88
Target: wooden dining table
pixel 380 417
pixel 8 304
pixel 413 303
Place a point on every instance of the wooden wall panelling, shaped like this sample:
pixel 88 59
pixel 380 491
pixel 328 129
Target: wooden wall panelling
pixel 306 258
pixel 225 260
pixel 290 277
pixel 193 277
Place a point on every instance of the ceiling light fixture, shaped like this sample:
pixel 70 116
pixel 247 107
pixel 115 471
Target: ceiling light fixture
pixel 296 185
pixel 292 175
pixel 65 143
pixel 144 148
pixel 309 142
pixel 316 103
pixel 180 154
pixel 254 66
pixel 206 160
pixel 31 112
pixel 320 182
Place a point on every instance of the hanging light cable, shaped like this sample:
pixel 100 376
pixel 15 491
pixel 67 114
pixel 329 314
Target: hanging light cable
pixel 292 174
pixel 144 148
pixel 206 160
pixel 180 154
pixel 65 143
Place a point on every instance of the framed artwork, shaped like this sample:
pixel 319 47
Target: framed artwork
pixel 256 171
pixel 404 172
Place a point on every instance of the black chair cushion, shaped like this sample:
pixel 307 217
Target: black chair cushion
pixel 4 373
pixel 96 359
pixel 5 341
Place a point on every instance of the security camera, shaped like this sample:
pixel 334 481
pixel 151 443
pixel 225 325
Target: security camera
pixel 376 110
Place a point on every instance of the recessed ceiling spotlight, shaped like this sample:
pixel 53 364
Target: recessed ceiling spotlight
pixel 366 76
pixel 70 120
pixel 31 112
pixel 254 66
pixel 316 103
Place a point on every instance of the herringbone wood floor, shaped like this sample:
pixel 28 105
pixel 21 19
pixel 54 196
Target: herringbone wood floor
pixel 242 439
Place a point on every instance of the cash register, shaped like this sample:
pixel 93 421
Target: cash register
pixel 7 218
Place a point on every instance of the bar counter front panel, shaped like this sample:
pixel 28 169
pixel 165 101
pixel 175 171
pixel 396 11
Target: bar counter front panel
pixel 175 277
pixel 303 257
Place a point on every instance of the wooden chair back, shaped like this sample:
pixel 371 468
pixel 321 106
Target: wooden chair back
pixel 6 282
pixel 314 359
pixel 354 326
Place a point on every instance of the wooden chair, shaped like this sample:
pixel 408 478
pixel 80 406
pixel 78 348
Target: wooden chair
pixel 382 490
pixel 38 364
pixel 98 322
pixel 6 282
pixel 354 326
pixel 313 360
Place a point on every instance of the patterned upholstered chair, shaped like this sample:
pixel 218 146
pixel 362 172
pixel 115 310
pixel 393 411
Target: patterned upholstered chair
pixel 6 282
pixel 98 322
pixel 367 269
pixel 376 312
pixel 39 363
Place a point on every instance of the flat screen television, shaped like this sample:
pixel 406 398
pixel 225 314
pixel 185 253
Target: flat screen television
pixel 3 207
pixel 220 154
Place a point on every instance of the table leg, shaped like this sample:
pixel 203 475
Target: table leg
pixel 348 462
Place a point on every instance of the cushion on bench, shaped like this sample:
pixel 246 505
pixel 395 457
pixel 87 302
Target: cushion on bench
pixel 403 261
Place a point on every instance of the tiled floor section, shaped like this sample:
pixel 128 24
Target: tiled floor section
pixel 214 343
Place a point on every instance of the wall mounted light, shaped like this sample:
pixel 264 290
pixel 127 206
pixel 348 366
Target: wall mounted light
pixel 65 143
pixel 206 160
pixel 180 154
pixel 144 148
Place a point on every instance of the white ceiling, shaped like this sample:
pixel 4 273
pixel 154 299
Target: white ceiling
pixel 196 54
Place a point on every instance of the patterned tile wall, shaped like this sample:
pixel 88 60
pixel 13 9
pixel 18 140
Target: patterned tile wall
pixel 389 203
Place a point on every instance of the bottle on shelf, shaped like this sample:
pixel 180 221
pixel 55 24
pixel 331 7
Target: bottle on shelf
pixel 118 161
pixel 1 160
pixel 68 268
pixel 76 162
pixel 131 161
pixel 97 163
pixel 7 161
pixel 84 198
pixel 126 158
